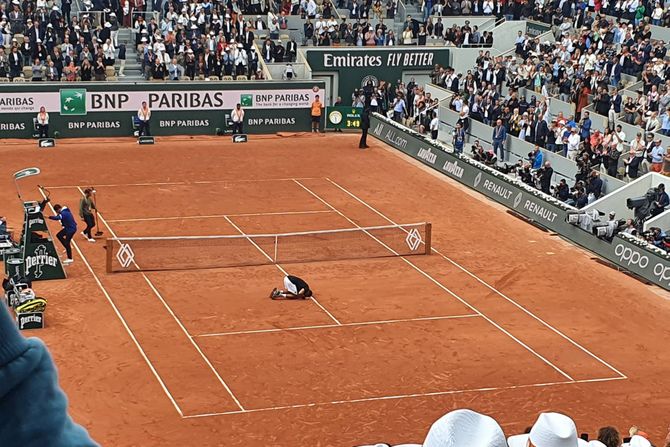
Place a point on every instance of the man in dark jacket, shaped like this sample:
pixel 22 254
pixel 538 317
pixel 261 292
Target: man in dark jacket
pixel 64 215
pixel 365 125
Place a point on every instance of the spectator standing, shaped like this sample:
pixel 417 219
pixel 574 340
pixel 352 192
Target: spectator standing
pixel 399 108
pixel 657 156
pixel 458 140
pixel 499 139
pixel 661 202
pixel 434 127
pixel 122 59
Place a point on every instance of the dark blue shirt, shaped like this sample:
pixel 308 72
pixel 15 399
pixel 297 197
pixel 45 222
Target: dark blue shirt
pixel 67 220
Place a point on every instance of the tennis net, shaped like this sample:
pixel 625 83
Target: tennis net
pixel 127 254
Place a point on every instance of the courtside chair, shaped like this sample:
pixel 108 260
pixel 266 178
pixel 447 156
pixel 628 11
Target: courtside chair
pixel 28 72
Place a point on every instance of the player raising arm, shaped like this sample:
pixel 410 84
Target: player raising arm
pixel 296 289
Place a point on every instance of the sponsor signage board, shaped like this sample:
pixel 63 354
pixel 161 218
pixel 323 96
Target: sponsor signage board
pixel 534 29
pixel 101 110
pixel 639 260
pixel 356 66
pixel 343 117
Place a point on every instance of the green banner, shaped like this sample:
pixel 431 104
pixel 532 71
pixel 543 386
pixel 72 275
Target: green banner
pixel 343 117
pixel 356 66
pixel 626 252
pixel 534 29
pixel 178 108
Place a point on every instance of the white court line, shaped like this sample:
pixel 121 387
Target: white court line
pixel 330 326
pixel 443 287
pixel 407 396
pixel 281 269
pixel 490 287
pixel 123 322
pixel 220 216
pixel 198 182
pixel 176 319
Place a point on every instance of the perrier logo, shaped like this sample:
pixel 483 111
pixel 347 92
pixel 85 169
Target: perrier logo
pixel 247 100
pixel 73 101
pixel 40 258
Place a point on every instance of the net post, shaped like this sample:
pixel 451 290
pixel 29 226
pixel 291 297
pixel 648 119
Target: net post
pixel 109 250
pixel 429 237
pixel 276 248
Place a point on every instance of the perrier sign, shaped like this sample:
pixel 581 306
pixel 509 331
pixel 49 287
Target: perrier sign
pixel 39 253
pixel 354 66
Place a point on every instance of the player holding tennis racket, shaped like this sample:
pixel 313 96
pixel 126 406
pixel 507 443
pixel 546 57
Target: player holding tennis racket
pixel 296 289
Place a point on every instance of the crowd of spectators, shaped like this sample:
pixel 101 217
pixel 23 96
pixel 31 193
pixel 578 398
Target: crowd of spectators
pixel 461 428
pixel 583 66
pixel 46 43
pixel 406 103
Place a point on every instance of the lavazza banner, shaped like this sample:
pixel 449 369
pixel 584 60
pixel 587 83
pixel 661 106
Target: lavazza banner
pixel 628 254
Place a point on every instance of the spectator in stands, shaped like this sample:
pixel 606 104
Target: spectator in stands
pixel 499 139
pixel 657 156
pixel 99 70
pixel 38 70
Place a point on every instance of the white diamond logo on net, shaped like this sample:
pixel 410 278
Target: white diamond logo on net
pixel 125 255
pixel 413 239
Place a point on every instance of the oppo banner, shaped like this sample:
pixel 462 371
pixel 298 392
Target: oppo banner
pixel 549 213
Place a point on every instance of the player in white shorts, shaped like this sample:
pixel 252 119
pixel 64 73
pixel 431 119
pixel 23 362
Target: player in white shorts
pixel 296 288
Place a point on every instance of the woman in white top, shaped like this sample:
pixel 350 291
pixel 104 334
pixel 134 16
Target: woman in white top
pixel 43 123
pixel 407 36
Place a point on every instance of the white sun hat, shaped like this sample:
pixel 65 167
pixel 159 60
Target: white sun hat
pixel 555 430
pixel 639 441
pixel 461 428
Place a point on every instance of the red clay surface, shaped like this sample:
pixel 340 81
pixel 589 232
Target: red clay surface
pixel 510 321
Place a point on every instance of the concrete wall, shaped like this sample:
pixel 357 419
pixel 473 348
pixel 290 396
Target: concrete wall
pixel 505 34
pixel 463 59
pixel 661 221
pixel 617 201
pixel 277 71
pixel 440 93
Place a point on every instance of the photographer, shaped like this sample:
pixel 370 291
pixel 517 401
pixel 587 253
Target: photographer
pixel 562 191
pixel 594 185
pixel 662 201
pixel 525 175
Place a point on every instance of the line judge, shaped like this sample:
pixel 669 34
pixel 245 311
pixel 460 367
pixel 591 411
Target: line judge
pixel 143 116
pixel 43 123
pixel 237 117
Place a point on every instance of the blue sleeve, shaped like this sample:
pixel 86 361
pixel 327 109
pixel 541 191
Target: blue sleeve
pixel 32 404
pixel 56 217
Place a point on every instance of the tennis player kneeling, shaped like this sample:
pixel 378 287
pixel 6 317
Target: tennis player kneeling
pixel 296 289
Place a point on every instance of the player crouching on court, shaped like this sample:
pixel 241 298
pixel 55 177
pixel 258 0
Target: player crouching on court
pixel 296 289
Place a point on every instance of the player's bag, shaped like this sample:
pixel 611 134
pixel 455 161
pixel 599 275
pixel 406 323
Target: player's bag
pixel 36 304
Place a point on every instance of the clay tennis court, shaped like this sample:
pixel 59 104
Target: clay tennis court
pixel 500 317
